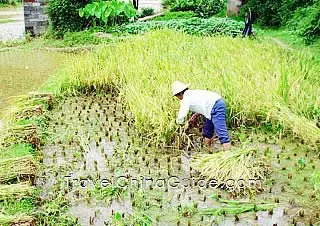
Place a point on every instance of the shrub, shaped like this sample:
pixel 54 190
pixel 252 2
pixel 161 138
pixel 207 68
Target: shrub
pixel 108 12
pixel 195 26
pixel 146 12
pixel 64 16
pixel 176 15
pixel 81 38
pixel 306 22
pixel 203 8
pixel 207 8
pixel 273 13
pixel 8 2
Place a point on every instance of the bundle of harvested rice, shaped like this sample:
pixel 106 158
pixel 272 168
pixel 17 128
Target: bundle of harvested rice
pixel 15 190
pixel 16 219
pixel 237 170
pixel 20 167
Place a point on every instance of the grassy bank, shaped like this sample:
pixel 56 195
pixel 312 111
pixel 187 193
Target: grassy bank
pixel 262 82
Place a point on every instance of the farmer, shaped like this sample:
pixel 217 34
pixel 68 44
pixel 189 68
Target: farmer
pixel 206 103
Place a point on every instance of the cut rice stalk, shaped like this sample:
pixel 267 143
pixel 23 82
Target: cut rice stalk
pixel 9 220
pixel 20 167
pixel 15 191
pixel 236 165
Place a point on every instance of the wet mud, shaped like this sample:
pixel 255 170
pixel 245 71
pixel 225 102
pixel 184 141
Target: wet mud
pixel 109 175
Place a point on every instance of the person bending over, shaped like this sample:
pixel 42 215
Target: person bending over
pixel 206 103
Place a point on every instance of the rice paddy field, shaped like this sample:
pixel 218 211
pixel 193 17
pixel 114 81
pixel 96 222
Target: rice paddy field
pixel 99 144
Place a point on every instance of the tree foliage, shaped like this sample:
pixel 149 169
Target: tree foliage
pixel 64 16
pixel 203 8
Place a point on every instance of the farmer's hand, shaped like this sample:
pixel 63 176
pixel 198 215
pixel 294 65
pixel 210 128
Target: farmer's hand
pixel 193 118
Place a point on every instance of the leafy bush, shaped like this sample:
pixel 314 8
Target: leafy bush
pixel 176 15
pixel 273 13
pixel 203 8
pixel 196 26
pixel 146 12
pixel 108 12
pixel 81 38
pixel 306 22
pixel 207 8
pixel 64 16
pixel 8 2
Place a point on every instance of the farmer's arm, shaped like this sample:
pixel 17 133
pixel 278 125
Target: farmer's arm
pixel 184 109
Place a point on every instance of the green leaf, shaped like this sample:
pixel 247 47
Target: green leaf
pixel 81 12
pixel 118 216
pixel 301 163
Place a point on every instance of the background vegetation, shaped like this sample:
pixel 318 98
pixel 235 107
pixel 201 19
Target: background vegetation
pixel 203 8
pixel 5 3
pixel 302 16
pixel 64 16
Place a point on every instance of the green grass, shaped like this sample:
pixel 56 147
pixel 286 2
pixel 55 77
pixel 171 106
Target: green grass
pixel 4 21
pixel 13 207
pixel 248 73
pixel 291 39
pixel 16 150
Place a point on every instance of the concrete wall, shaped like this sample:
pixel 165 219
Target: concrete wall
pixel 233 7
pixel 35 17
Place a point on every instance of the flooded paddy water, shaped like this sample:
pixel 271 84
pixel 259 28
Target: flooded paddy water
pixel 11 24
pixel 107 175
pixel 23 71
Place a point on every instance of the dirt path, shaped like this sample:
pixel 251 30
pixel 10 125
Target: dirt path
pixel 11 24
pixel 281 43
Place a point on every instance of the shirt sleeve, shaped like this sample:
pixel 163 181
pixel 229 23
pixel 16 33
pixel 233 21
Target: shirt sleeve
pixel 184 109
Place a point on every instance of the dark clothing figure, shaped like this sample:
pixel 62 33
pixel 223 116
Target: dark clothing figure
pixel 247 31
pixel 135 4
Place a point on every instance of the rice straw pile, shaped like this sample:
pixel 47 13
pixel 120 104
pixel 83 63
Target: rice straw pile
pixel 236 165
pixel 12 168
pixel 15 191
pixel 16 219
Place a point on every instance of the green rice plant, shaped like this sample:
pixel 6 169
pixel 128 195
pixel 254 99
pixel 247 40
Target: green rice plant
pixel 188 210
pixel 232 210
pixel 238 165
pixel 109 193
pixel 55 212
pixel 247 73
pixel 16 219
pixel 137 218
pixel 15 191
pixel 15 168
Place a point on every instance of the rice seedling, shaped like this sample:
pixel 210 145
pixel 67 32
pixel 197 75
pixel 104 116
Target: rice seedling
pixel 236 164
pixel 15 168
pixel 294 221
